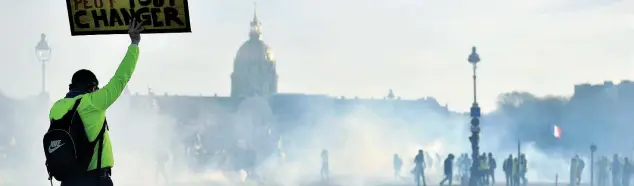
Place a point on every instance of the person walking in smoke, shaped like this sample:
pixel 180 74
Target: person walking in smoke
pixel 197 152
pixel 616 170
pixel 419 168
pixel 602 166
pixel 466 167
pixel 439 160
pixel 429 162
pixel 575 163
pixel 458 166
pixel 580 166
pixel 576 170
pixel 398 164
pixel 484 169
pixel 507 167
pixel 448 170
pixel 492 166
pixel 515 172
pixel 523 168
pixel 325 170
pixel 627 172
pixel 573 171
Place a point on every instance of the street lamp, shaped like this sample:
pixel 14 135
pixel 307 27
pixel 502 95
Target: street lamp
pixel 43 53
pixel 474 58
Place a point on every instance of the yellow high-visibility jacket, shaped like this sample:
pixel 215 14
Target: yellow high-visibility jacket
pixel 92 109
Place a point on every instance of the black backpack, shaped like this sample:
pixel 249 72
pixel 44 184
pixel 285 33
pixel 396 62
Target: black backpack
pixel 67 148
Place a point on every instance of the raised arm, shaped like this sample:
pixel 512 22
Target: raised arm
pixel 103 98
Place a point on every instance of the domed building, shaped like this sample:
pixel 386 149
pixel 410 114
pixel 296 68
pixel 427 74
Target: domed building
pixel 256 112
pixel 254 71
pixel 255 76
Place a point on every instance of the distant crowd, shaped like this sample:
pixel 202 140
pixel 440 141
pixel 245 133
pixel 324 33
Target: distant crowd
pixel 514 169
pixel 619 169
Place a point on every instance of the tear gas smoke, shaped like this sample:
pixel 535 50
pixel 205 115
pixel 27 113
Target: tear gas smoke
pixel 361 143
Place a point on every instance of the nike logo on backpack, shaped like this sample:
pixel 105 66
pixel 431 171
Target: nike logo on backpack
pixel 56 144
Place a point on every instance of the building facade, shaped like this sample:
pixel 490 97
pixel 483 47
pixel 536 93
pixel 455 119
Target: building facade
pixel 254 71
pixel 255 113
pixel 254 83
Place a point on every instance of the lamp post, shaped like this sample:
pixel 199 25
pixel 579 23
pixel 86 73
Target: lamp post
pixel 43 53
pixel 593 148
pixel 474 58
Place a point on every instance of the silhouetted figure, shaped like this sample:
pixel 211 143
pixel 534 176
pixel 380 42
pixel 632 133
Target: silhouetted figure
pixel 439 160
pixel 507 167
pixel 484 169
pixel 616 170
pixel 523 165
pixel 419 168
pixel 198 152
pixel 603 172
pixel 463 168
pixel 627 172
pixel 574 164
pixel 466 167
pixel 516 170
pixel 458 165
pixel 325 169
pixel 429 162
pixel 448 169
pixel 398 164
pixel 580 166
pixel 492 166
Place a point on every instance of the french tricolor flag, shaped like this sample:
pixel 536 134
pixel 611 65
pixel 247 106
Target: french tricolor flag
pixel 557 132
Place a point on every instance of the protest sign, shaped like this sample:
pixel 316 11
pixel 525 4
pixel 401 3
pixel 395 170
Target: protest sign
pixel 97 17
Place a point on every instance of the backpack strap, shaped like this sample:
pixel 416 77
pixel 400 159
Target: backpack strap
pixel 100 139
pixel 100 136
pixel 76 105
pixel 74 110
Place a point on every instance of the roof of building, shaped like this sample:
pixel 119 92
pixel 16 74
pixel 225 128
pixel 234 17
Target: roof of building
pixel 254 49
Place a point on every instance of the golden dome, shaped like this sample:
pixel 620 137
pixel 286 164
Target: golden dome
pixel 254 49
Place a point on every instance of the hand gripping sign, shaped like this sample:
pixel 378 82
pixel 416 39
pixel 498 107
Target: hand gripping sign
pixel 97 17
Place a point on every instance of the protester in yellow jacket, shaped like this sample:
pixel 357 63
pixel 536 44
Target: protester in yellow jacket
pixel 484 168
pixel 91 104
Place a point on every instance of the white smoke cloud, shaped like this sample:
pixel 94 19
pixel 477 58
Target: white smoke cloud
pixel 361 143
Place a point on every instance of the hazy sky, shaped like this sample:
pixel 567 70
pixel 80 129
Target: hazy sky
pixel 352 48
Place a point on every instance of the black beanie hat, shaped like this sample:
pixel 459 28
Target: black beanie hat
pixel 83 79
